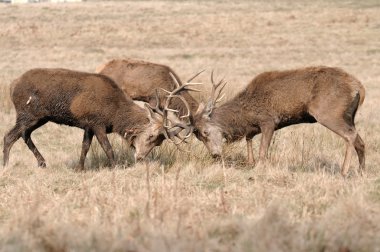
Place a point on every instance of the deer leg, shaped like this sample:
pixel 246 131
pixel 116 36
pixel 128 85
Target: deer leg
pixel 250 157
pixel 28 140
pixel 87 139
pixel 101 135
pixel 360 150
pixel 349 134
pixel 9 139
pixel 267 131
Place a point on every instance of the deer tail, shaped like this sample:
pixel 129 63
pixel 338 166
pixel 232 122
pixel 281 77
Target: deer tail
pixel 361 94
pixel 100 68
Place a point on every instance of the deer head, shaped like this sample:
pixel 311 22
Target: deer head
pixel 165 123
pixel 205 128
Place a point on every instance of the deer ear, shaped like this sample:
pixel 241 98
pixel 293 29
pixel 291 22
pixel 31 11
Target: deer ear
pixel 208 110
pixel 152 116
pixel 129 134
pixel 200 109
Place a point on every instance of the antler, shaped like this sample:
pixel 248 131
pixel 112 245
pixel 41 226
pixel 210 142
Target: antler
pixel 216 93
pixel 174 127
pixel 157 107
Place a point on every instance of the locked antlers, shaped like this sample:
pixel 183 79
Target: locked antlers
pixel 172 122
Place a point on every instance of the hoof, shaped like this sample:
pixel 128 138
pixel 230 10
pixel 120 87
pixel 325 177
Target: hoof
pixel 79 169
pixel 42 164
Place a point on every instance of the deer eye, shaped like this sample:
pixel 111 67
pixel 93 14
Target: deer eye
pixel 151 137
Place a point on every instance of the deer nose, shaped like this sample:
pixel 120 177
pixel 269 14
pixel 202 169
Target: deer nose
pixel 215 155
pixel 139 159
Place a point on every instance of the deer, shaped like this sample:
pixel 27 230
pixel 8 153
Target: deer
pixel 139 79
pixel 277 99
pixel 89 101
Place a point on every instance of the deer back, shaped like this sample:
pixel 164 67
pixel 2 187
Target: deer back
pixel 140 79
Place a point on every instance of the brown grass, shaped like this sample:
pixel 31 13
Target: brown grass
pixel 295 202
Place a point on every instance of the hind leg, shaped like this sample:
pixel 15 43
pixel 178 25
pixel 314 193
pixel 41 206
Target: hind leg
pixel 347 132
pixel 267 131
pixel 28 140
pixel 360 150
pixel 9 139
pixel 250 157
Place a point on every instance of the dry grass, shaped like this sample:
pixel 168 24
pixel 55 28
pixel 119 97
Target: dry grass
pixel 295 202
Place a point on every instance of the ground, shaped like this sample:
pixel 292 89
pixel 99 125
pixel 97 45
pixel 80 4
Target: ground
pixel 180 201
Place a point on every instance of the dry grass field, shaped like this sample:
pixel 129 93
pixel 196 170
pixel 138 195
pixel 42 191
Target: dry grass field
pixel 297 201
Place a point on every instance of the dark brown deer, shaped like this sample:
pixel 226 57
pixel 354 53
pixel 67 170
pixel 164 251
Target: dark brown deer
pixel 274 100
pixel 140 79
pixel 92 102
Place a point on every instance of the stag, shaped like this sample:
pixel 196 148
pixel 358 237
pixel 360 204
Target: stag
pixel 92 102
pixel 274 100
pixel 140 79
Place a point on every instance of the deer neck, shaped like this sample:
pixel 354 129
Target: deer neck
pixel 234 120
pixel 130 117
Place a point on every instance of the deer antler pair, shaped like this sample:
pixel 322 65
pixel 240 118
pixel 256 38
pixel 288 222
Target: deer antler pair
pixel 216 94
pixel 173 126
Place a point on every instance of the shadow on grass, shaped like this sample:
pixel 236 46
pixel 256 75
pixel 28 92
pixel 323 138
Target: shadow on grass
pixel 316 165
pixel 124 157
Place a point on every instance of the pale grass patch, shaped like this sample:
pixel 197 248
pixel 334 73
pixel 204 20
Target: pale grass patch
pixel 184 201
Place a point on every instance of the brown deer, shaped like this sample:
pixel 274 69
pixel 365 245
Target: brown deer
pixel 274 100
pixel 140 79
pixel 92 102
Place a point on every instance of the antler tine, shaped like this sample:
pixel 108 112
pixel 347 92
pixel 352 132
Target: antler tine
pixel 156 108
pixel 186 86
pixel 219 97
pixel 193 77
pixel 184 102
pixel 212 77
pixel 166 91
pixel 175 79
pixel 216 92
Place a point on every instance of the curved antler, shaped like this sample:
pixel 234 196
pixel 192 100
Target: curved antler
pixel 157 107
pixel 173 127
pixel 216 93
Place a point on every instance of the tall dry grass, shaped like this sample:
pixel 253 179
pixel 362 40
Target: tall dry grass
pixel 297 201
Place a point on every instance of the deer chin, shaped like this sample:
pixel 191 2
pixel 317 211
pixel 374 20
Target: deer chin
pixel 141 154
pixel 139 157
pixel 215 150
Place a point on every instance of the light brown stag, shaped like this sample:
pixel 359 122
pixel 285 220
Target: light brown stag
pixel 92 102
pixel 274 100
pixel 141 79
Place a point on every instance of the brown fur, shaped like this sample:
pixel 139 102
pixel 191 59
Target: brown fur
pixel 274 100
pixel 92 102
pixel 140 79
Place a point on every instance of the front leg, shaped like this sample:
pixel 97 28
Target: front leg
pixel 101 135
pixel 87 139
pixel 251 159
pixel 267 130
